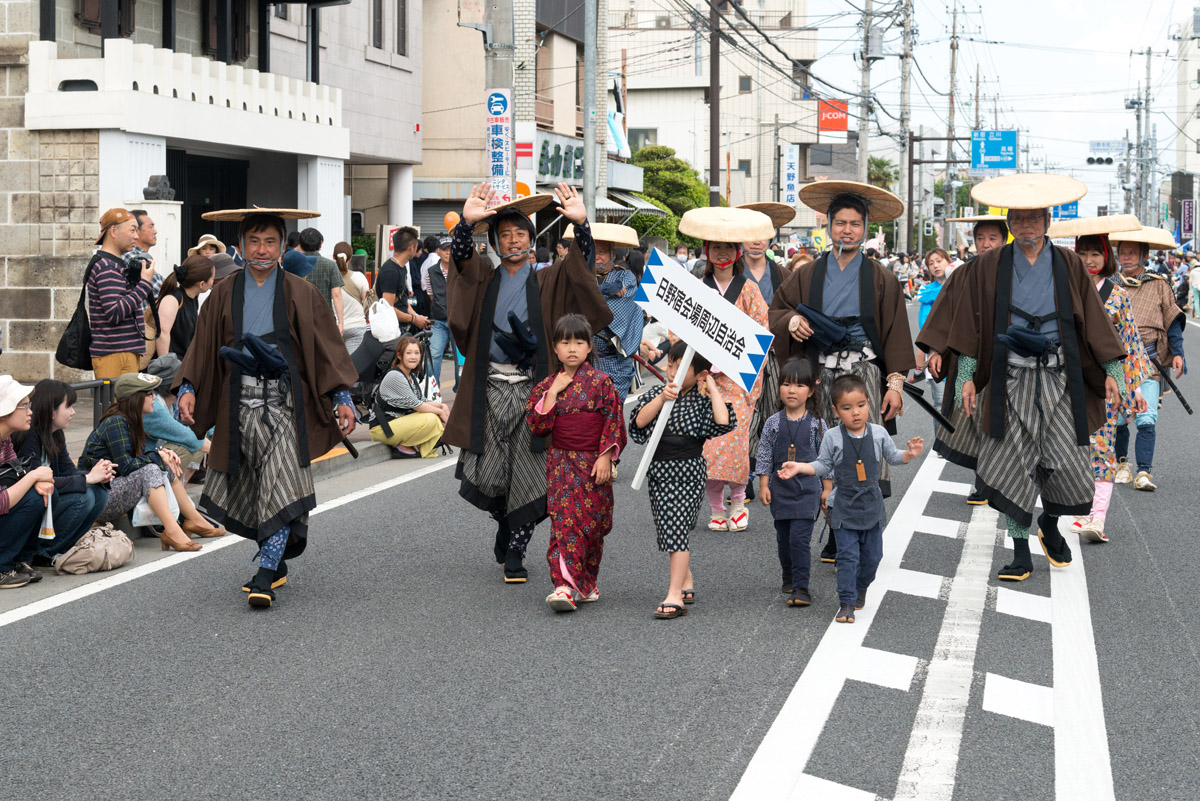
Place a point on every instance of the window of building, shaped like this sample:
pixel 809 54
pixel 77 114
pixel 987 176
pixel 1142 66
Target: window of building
pixel 744 166
pixel 239 24
pixel 543 102
pixel 89 16
pixel 402 27
pixel 821 155
pixel 744 84
pixel 377 24
pixel 579 78
pixel 641 137
pixel 281 10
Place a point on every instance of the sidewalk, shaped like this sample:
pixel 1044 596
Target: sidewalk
pixel 334 463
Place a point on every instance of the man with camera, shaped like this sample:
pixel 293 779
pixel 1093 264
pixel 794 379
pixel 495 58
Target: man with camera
pixel 116 294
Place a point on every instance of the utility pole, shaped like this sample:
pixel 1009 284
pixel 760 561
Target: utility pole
pixel 1125 177
pixel 714 105
pixel 948 210
pixel 1139 162
pixel 977 109
pixel 498 51
pixel 1148 180
pixel 905 121
pixel 778 193
pixel 864 105
pixel 996 111
pixel 590 164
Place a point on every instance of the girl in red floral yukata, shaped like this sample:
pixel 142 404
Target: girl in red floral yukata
pixel 578 408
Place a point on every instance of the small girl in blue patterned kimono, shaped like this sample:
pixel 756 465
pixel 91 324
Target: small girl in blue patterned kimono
pixel 678 470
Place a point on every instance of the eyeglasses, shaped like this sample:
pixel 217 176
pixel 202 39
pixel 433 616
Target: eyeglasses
pixel 23 407
pixel 1025 219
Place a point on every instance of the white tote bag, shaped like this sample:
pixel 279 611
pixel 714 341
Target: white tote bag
pixel 381 317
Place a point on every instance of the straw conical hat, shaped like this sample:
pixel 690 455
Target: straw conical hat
pixel 882 205
pixel 980 218
pixel 1091 226
pixel 237 215
pixel 721 224
pixel 620 235
pixel 1156 238
pixel 1031 190
pixel 780 213
pixel 526 205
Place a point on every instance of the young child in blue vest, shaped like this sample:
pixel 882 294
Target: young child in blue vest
pixel 793 434
pixel 851 454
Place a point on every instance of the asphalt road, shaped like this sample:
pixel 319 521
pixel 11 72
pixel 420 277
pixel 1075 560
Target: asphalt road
pixel 396 663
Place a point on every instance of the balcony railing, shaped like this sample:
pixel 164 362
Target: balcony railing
pixel 543 111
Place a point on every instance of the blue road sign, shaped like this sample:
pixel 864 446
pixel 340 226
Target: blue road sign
pixel 993 150
pixel 1067 211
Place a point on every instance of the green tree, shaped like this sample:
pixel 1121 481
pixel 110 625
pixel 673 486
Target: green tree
pixel 670 180
pixel 666 227
pixel 882 172
pixel 962 196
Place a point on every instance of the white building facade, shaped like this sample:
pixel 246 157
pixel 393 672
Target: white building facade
pixel 236 103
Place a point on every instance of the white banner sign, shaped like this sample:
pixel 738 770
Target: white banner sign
pixel 500 144
pixel 718 330
pixel 789 174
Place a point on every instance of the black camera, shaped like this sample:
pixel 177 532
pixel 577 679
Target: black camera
pixel 133 270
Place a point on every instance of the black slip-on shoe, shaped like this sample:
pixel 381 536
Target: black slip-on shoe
pixel 279 580
pixel 514 569
pixel 1054 545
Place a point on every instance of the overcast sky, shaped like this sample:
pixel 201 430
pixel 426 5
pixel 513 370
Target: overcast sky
pixel 1061 69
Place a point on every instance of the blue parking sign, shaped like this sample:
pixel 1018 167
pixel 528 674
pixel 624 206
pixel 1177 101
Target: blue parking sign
pixel 993 150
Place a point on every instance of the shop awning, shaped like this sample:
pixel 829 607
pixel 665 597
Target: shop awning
pixel 608 210
pixel 639 206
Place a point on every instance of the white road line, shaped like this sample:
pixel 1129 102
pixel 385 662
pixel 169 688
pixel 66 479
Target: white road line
pixel 117 579
pixel 953 488
pixel 1082 768
pixel 811 788
pixel 938 526
pixel 1024 701
pixel 776 771
pixel 931 760
pixel 1023 604
pixel 883 668
pixel 914 582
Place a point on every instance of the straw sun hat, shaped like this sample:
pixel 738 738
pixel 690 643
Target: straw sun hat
pixel 780 213
pixel 722 224
pixel 882 205
pixel 620 235
pixel 1155 238
pixel 525 205
pixel 1093 226
pixel 1032 190
pixel 237 215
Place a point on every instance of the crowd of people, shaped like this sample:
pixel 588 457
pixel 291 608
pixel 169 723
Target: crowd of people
pixel 235 369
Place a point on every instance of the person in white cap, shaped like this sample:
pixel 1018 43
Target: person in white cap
pixel 23 494
pixel 1037 358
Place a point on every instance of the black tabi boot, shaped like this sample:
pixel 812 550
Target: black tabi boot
pixel 1053 543
pixel 503 535
pixel 1022 563
pixel 278 581
pixel 787 584
pixel 514 568
pixel 261 595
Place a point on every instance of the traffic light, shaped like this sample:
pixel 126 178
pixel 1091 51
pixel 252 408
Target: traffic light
pixel 1102 211
pixel 929 228
pixel 1100 160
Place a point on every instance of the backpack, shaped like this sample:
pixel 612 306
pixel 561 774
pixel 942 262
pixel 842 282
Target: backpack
pixel 102 548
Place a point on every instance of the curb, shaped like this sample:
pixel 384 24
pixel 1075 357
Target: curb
pixel 339 461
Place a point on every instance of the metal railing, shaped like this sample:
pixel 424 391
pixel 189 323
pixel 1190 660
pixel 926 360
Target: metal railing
pixel 543 111
pixel 102 395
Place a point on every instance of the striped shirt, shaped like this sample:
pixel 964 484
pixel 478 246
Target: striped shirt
pixel 115 310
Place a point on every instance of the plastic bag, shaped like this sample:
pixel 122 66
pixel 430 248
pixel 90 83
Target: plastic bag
pixel 47 530
pixel 143 515
pixel 381 317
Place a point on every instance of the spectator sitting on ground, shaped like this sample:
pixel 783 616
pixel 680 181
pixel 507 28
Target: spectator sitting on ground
pixel 179 305
pixel 120 437
pixel 164 431
pixel 23 502
pixel 415 424
pixel 78 497
pixel 114 307
pixel 324 275
pixel 354 297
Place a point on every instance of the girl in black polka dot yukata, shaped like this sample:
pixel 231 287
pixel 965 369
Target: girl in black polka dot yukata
pixel 678 470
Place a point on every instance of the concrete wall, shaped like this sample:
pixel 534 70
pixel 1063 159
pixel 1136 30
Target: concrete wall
pixel 452 99
pixel 381 90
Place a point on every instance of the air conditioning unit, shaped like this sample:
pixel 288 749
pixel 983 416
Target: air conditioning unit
pixel 662 21
pixel 358 223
